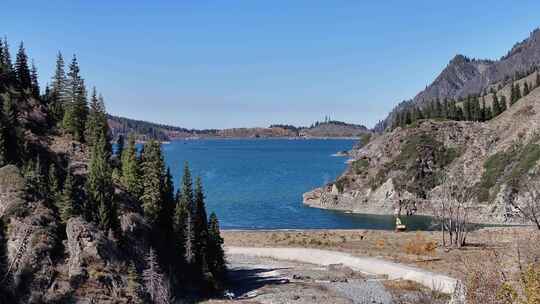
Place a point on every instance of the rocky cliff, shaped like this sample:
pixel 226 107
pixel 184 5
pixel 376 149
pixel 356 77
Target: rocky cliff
pixel 464 76
pixel 402 171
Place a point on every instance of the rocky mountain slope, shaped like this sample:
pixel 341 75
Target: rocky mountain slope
pixel 405 170
pixel 464 76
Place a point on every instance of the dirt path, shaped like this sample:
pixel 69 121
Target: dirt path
pixel 367 265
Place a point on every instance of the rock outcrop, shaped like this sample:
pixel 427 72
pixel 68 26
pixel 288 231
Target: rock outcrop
pixel 401 171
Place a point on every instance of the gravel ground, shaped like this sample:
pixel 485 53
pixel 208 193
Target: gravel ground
pixel 267 280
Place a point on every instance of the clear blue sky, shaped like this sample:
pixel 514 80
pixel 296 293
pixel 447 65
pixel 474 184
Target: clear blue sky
pixel 217 64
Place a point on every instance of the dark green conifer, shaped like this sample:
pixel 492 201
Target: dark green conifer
pixel 22 71
pixel 97 121
pixel 153 181
pixel 503 105
pixel 67 205
pixel 525 89
pixel 130 176
pixel 99 186
pixel 215 254
pixel 496 107
pixel 58 96
pixel 75 108
pixel 200 226
pixel 34 81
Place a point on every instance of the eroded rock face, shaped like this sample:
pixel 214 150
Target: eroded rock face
pixel 11 188
pixel 30 239
pixel 87 247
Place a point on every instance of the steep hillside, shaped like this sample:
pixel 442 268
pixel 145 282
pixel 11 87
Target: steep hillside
pixel 463 76
pixel 403 171
pixel 81 224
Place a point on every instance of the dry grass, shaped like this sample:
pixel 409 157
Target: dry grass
pixel 420 249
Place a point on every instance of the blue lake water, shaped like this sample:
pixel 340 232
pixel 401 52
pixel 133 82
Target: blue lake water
pixel 258 183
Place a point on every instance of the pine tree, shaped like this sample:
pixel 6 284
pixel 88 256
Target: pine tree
pixel 134 285
pixel 166 221
pixel 537 79
pixel 183 218
pixel 496 106
pixel 53 184
pixel 525 89
pixel 130 168
pixel 58 91
pixel 34 81
pixel 99 186
pixel 97 121
pixel 153 172
pixel 215 253
pixel 67 205
pixel 75 109
pixel 6 58
pixel 22 71
pixel 200 226
pixel 503 105
pixel 518 92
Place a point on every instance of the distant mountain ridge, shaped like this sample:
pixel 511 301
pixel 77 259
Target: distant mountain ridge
pixel 146 130
pixel 464 76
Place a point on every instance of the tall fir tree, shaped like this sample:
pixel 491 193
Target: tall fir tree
pixel 6 60
pixel 182 216
pixel 215 254
pixel 53 184
pixel 131 172
pixel 67 204
pixel 97 121
pixel 34 81
pixel 153 182
pixel 503 105
pixel 200 226
pixel 496 106
pixel 76 108
pixel 22 71
pixel 99 186
pixel 58 95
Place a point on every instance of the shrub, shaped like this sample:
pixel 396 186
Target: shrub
pixel 507 167
pixel 359 165
pixel 420 246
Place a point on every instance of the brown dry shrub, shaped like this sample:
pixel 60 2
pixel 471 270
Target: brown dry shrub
pixel 420 246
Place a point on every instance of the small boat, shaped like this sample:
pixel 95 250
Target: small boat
pixel 399 225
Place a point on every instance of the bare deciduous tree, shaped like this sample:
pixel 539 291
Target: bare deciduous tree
pixel 451 207
pixel 530 208
pixel 154 281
